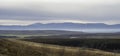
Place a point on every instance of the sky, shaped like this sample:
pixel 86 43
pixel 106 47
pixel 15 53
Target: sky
pixel 25 12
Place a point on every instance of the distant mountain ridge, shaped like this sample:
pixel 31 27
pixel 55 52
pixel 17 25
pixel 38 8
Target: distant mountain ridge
pixel 60 26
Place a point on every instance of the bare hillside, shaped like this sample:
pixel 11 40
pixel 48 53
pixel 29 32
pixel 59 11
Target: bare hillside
pixel 13 47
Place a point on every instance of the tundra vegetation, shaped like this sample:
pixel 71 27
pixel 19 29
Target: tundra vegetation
pixel 16 47
pixel 78 44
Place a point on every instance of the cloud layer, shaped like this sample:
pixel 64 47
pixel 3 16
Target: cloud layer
pixel 53 11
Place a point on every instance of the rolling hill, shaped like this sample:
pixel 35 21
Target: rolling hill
pixel 13 47
pixel 37 32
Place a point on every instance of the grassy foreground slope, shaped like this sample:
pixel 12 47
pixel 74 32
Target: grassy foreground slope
pixel 13 47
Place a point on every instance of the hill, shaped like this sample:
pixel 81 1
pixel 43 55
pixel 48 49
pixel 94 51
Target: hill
pixel 37 32
pixel 13 47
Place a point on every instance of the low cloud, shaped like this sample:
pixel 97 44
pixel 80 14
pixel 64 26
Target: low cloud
pixel 49 11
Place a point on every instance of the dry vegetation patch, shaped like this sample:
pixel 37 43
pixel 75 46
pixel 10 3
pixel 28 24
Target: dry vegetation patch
pixel 13 47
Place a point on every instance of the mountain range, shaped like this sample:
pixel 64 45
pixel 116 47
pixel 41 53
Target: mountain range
pixel 60 26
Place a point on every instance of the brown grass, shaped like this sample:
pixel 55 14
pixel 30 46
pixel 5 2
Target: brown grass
pixel 13 47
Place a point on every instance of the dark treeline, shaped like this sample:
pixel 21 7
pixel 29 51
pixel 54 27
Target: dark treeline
pixel 8 37
pixel 103 44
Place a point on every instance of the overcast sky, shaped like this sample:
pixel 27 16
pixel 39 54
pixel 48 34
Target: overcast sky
pixel 24 12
